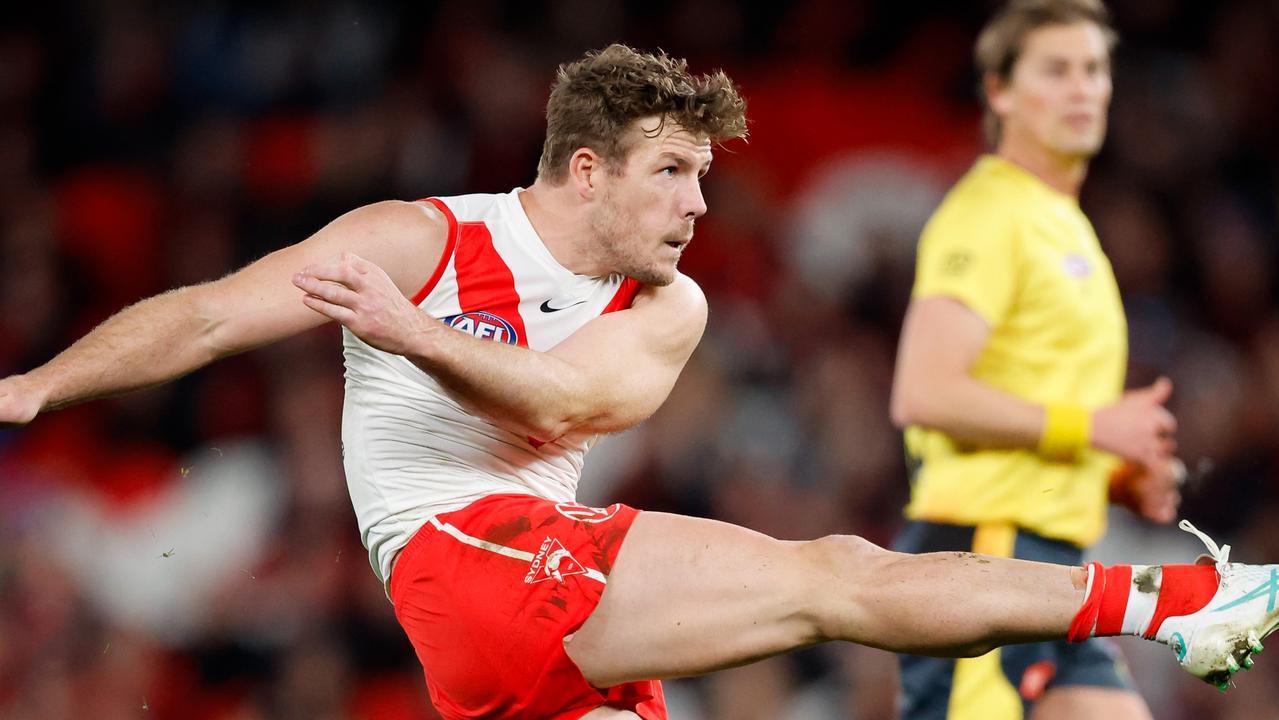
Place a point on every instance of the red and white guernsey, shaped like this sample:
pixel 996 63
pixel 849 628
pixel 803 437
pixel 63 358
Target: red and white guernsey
pixel 410 450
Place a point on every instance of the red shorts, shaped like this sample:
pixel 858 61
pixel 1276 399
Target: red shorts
pixel 488 593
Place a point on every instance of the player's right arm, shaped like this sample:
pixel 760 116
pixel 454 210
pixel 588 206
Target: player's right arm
pixel 169 335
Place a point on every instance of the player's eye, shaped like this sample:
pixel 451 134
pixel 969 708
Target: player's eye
pixel 670 170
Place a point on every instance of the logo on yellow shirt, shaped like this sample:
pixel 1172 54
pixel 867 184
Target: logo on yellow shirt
pixel 1076 266
pixel 956 262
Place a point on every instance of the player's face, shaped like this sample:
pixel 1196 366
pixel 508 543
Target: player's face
pixel 645 216
pixel 1059 91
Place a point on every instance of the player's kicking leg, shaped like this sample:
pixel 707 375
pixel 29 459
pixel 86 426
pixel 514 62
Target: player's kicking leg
pixel 689 596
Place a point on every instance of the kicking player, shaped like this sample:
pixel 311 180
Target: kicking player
pixel 490 339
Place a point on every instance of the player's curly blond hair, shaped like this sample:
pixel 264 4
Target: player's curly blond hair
pixel 595 100
pixel 1001 41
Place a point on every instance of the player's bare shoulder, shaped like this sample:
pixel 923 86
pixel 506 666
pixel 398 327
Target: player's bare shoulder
pixel 682 294
pixel 406 239
pixel 680 307
pixel 399 220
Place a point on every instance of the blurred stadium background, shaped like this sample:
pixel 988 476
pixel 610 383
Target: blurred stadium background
pixel 189 552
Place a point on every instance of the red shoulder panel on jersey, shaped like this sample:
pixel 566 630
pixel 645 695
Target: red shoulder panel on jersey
pixel 449 246
pixel 484 282
pixel 624 296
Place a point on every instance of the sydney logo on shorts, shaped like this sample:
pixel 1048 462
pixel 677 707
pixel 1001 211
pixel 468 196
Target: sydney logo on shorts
pixel 483 325
pixel 553 561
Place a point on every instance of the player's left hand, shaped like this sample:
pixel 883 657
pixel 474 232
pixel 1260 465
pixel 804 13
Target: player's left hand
pixel 363 298
pixel 1153 492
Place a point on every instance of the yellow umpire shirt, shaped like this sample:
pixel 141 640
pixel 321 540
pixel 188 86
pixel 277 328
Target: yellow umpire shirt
pixel 1025 258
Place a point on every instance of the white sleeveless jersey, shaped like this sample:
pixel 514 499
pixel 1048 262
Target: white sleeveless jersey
pixel 410 450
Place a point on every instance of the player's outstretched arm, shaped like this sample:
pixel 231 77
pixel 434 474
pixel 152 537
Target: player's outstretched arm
pixel 169 335
pixel 609 375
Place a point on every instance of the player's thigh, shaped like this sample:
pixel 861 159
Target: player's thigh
pixel 1082 702
pixel 688 596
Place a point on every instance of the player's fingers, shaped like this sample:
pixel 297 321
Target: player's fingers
pixel 322 272
pixel 357 263
pixel 1160 390
pixel 340 270
pixel 1164 421
pixel 1154 460
pixel 1168 512
pixel 330 291
pixel 343 315
pixel 1159 507
pixel 355 270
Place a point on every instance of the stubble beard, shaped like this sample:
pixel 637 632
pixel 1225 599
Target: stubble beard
pixel 623 250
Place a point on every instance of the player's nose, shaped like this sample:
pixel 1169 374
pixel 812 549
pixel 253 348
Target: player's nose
pixel 694 203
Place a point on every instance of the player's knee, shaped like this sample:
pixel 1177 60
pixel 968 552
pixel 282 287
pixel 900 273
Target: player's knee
pixel 844 554
pixel 841 568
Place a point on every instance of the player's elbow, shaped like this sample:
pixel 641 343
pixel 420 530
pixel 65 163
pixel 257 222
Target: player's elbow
pixel 593 416
pixel 550 423
pixel 906 407
pixel 546 428
pixel 899 410
pixel 924 396
pixel 919 404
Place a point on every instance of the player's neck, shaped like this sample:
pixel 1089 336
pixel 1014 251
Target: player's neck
pixel 560 225
pixel 1063 173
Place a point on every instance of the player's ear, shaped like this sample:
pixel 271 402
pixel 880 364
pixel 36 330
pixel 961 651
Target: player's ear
pixel 997 95
pixel 584 170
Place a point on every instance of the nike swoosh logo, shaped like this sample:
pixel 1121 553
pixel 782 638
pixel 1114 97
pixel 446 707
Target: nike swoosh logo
pixel 546 306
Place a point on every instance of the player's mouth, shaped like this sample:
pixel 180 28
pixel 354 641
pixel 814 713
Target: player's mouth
pixel 678 244
pixel 1081 121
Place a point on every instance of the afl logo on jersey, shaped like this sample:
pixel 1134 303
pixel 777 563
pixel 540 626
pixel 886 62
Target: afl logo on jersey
pixel 483 325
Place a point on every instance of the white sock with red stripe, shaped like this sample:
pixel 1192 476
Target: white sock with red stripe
pixel 1136 599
